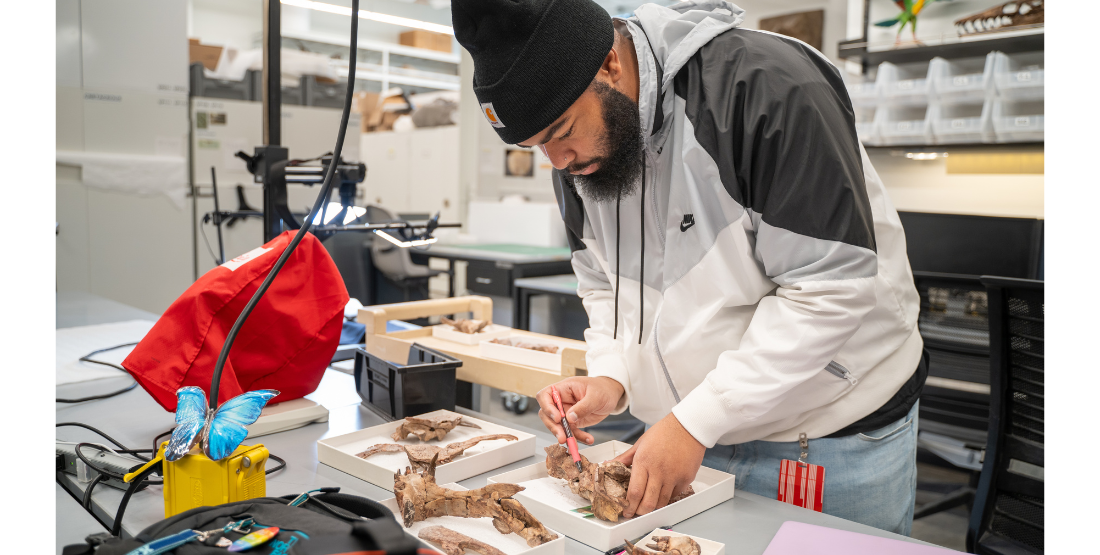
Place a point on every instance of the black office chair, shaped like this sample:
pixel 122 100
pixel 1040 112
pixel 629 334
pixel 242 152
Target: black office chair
pixel 396 265
pixel 1008 508
pixel 954 405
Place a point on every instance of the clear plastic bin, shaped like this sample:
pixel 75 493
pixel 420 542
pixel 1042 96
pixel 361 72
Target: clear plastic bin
pixel 865 125
pixel 1015 122
pixel 1018 76
pixel 960 123
pixel 905 84
pixel 962 81
pixel 863 94
pixel 904 125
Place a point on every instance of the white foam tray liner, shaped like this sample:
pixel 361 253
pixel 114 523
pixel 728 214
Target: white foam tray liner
pixel 339 452
pixel 551 501
pixel 492 331
pixel 481 529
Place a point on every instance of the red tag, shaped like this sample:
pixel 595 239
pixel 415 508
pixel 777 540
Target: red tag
pixel 801 484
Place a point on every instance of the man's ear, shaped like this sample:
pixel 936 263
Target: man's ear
pixel 612 68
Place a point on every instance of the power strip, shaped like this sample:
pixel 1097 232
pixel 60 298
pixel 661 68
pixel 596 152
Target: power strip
pixel 69 463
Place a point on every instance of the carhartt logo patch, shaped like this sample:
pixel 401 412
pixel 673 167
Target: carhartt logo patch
pixel 688 221
pixel 491 114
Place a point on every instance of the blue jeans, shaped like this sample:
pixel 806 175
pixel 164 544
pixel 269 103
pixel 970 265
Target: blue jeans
pixel 869 478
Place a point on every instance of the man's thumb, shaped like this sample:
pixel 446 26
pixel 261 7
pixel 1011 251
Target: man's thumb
pixel 581 409
pixel 627 458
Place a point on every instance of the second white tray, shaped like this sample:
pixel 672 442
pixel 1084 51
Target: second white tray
pixel 339 452
pixel 550 500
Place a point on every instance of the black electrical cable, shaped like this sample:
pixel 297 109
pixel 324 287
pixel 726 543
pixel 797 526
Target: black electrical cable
pixel 202 230
pixel 109 473
pixel 156 440
pixel 116 530
pixel 88 358
pixel 91 512
pixel 88 492
pixel 306 225
pixel 94 429
pixel 282 465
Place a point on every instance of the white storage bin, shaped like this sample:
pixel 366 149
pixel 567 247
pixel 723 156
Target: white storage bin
pixel 862 93
pixel 1018 76
pixel 865 125
pixel 960 123
pixel 962 81
pixel 904 125
pixel 904 85
pixel 1018 121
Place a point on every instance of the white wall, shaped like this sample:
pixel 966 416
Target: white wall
pixel 925 186
pixel 836 17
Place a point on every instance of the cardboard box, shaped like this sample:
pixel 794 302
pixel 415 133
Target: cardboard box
pixel 204 53
pixel 339 452
pixel 426 39
pixel 481 529
pixel 365 104
pixel 547 497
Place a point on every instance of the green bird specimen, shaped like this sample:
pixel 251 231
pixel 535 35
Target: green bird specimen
pixel 908 16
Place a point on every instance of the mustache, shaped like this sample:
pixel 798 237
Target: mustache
pixel 577 168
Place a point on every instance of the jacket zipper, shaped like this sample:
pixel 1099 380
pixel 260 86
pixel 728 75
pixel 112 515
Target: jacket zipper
pixel 841 372
pixel 661 359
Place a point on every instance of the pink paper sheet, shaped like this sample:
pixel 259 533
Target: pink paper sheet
pixel 797 538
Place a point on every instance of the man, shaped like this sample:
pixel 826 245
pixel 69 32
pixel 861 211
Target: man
pixel 743 271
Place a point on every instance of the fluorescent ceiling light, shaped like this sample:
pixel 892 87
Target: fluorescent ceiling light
pixel 373 16
pixel 925 155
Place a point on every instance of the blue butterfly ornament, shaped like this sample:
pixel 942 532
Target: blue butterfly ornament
pixel 220 430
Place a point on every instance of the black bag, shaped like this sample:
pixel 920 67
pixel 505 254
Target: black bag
pixel 327 524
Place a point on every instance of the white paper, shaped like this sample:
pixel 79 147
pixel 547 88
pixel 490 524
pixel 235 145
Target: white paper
pixel 73 343
pixel 132 173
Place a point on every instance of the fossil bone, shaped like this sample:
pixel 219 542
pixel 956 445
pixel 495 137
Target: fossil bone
pixel 467 326
pixel 421 455
pixel 671 545
pixel 604 484
pixel 431 428
pixel 454 543
pixel 420 498
pixel 552 349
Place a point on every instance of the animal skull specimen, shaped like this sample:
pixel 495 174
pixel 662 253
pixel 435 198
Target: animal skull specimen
pixel 672 545
pixel 467 326
pixel 604 484
pixel 428 429
pixel 1010 14
pixel 454 543
pixel 422 455
pixel 420 498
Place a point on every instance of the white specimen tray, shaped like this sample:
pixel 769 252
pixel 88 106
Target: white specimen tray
pixel 706 547
pixel 492 331
pixel 480 529
pixel 287 416
pixel 527 357
pixel 551 501
pixel 339 452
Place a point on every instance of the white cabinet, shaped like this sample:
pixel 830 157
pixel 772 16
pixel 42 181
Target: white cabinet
pixel 413 172
pixel 134 45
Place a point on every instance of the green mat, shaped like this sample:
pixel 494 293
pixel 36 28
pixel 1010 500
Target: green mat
pixel 526 250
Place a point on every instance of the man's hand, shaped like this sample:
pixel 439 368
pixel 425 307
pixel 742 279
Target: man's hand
pixel 586 401
pixel 663 463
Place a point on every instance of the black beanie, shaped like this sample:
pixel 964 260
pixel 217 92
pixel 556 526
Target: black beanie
pixel 532 58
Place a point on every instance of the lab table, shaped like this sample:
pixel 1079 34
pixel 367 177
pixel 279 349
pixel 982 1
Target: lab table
pixel 492 268
pixel 745 523
pixel 524 288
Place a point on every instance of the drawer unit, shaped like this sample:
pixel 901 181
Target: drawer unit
pixel 489 278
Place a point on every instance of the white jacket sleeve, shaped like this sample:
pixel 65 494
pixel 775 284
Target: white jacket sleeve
pixel 605 355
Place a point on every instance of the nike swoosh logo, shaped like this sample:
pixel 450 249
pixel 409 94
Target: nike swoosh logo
pixel 684 226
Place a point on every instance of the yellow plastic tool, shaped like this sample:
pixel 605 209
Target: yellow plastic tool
pixel 196 481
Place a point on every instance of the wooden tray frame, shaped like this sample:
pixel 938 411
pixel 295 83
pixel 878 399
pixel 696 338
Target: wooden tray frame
pixel 506 376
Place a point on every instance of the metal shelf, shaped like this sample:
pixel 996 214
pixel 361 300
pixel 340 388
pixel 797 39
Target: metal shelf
pixel 1024 39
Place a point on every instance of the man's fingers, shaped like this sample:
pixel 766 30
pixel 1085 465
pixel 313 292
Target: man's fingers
pixel 546 402
pixel 636 491
pixel 667 491
pixel 583 436
pixel 627 458
pixel 553 425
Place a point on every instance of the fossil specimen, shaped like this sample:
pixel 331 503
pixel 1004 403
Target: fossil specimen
pixel 672 545
pixel 467 326
pixel 454 543
pixel 1010 14
pixel 420 498
pixel 552 349
pixel 422 455
pixel 428 429
pixel 604 484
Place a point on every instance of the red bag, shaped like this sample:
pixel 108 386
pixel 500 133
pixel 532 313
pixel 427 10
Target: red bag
pixel 286 343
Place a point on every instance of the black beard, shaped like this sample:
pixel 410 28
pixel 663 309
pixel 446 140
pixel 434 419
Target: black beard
pixel 622 145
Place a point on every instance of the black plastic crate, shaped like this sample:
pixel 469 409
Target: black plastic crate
pixel 393 391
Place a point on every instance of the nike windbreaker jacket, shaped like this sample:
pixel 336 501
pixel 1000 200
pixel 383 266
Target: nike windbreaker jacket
pixel 756 285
